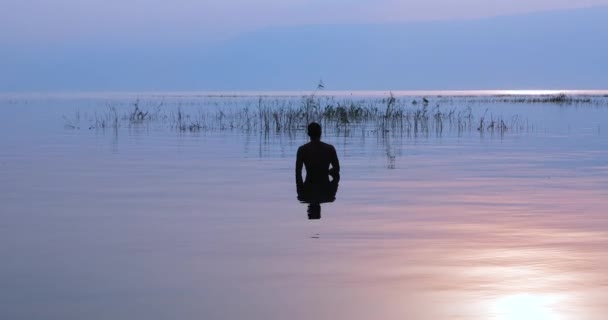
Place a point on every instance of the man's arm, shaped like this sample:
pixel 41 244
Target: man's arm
pixel 335 164
pixel 299 164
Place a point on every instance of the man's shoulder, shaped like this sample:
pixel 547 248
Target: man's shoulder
pixel 327 145
pixel 303 147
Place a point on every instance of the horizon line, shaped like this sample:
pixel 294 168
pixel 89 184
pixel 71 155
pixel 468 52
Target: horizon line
pixel 297 93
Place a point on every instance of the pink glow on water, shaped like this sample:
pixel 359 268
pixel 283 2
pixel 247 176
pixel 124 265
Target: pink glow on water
pixel 139 222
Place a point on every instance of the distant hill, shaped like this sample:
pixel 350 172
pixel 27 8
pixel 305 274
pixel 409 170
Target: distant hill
pixel 553 50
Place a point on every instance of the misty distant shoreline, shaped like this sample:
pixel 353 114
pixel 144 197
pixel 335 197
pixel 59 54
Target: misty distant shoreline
pixel 302 93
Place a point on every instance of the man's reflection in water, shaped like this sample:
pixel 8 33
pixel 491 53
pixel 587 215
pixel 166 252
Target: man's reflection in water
pixel 317 157
pixel 316 194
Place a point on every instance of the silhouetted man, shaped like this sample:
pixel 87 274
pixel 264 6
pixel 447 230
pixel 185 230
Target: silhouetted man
pixel 316 156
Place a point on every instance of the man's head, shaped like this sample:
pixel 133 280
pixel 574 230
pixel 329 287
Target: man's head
pixel 314 131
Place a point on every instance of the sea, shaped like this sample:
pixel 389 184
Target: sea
pixel 484 205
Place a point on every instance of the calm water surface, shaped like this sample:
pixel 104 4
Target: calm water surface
pixel 145 222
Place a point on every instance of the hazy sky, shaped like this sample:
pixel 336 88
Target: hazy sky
pixel 93 45
pixel 40 21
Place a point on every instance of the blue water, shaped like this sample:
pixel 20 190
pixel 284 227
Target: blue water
pixel 150 222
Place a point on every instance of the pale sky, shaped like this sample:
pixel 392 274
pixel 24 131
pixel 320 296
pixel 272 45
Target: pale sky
pixel 40 21
pixel 93 45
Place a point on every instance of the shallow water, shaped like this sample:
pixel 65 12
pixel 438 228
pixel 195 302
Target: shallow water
pixel 146 222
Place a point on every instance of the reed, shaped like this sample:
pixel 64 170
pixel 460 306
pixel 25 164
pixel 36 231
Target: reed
pixel 391 115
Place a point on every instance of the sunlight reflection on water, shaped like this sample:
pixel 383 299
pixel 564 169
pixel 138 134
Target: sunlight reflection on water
pixel 527 307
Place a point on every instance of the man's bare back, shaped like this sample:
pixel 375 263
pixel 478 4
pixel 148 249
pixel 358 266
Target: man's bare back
pixel 316 156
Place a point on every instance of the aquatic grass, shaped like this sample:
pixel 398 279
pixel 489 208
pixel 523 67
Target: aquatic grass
pixel 72 122
pixel 107 119
pixel 562 99
pixel 382 116
pixel 138 115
